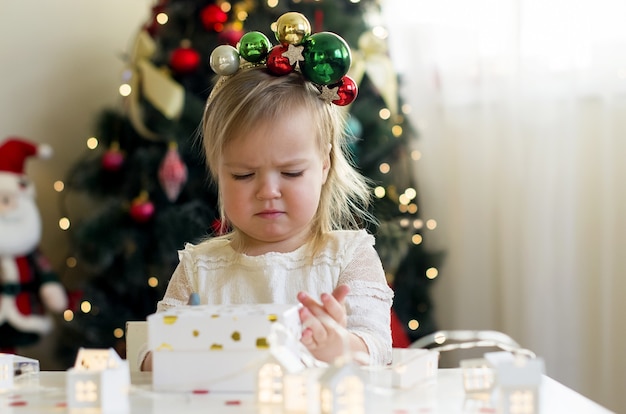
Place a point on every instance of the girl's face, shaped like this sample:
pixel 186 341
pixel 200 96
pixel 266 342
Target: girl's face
pixel 270 181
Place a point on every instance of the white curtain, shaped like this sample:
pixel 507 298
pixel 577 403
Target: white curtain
pixel 521 110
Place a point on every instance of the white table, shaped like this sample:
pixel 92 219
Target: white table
pixel 45 393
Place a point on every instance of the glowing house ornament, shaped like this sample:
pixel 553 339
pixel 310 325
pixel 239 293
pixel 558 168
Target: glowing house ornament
pixel 301 391
pixel 99 380
pixel 410 367
pixel 342 389
pixel 6 371
pixel 478 375
pixel 12 366
pixel 272 374
pixel 270 383
pixel 518 383
pixel 283 359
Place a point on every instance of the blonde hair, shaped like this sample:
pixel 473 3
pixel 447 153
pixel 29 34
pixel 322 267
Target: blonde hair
pixel 239 102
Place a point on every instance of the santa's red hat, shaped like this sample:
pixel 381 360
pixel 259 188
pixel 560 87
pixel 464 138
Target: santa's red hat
pixel 14 151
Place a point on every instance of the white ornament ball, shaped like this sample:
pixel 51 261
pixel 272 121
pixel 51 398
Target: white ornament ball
pixel 224 60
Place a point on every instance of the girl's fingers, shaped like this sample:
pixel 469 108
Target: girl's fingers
pixel 320 320
pixel 313 331
pixel 336 299
pixel 334 304
pixel 315 308
pixel 307 338
pixel 309 303
pixel 334 308
pixel 341 292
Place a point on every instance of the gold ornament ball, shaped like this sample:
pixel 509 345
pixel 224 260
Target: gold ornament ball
pixel 292 28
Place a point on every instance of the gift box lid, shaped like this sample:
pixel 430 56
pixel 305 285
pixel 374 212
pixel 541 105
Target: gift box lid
pixel 218 327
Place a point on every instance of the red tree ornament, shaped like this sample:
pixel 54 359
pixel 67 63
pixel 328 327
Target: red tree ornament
pixel 347 91
pixel 184 59
pixel 113 159
pixel 141 208
pixel 277 63
pixel 213 18
pixel 230 36
pixel 172 173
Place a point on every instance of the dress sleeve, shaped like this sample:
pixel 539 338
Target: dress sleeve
pixel 369 302
pixel 179 288
pixel 181 284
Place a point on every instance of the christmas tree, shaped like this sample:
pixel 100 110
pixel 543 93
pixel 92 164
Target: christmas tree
pixel 143 190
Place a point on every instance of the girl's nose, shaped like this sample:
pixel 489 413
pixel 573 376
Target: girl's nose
pixel 269 188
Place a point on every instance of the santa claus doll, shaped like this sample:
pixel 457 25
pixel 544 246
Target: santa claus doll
pixel 29 288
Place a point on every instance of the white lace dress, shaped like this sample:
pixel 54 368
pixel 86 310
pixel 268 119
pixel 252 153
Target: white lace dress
pixel 220 275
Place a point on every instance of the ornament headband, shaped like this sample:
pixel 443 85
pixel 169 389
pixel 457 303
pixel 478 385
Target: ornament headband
pixel 323 58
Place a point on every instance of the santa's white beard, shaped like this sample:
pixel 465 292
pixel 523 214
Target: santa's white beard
pixel 20 229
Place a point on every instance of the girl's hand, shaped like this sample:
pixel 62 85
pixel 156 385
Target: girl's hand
pixel 324 323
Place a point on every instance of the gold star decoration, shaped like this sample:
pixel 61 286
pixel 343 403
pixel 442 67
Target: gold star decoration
pixel 294 54
pixel 329 94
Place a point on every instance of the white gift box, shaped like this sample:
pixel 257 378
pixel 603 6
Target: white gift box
pixel 217 348
pixel 207 371
pixel 219 327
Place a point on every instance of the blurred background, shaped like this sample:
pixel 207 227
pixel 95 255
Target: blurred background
pixel 506 118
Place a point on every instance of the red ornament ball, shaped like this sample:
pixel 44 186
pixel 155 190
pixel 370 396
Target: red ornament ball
pixel 347 91
pixel 184 60
pixel 141 209
pixel 112 160
pixel 277 63
pixel 230 36
pixel 213 18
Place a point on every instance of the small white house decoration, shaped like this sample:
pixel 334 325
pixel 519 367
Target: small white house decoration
pixel 6 371
pixel 409 367
pixel 99 379
pixel 270 377
pixel 301 391
pixel 12 366
pixel 342 390
pixel 270 383
pixel 518 382
pixel 478 375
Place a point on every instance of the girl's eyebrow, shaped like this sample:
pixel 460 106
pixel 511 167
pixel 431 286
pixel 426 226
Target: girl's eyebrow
pixel 291 163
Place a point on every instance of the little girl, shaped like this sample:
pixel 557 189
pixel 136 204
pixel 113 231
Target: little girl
pixel 293 204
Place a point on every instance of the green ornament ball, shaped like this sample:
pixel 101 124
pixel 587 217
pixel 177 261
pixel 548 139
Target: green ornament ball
pixel 327 58
pixel 254 47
